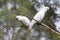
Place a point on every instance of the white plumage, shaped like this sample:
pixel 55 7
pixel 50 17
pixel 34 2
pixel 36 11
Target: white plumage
pixel 23 19
pixel 39 16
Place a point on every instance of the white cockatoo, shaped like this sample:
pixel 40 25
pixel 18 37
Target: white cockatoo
pixel 23 19
pixel 39 16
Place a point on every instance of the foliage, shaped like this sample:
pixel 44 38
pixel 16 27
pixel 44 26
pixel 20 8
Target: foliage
pixel 25 8
pixel 12 17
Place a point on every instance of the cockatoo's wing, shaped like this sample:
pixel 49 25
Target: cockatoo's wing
pixel 26 21
pixel 40 15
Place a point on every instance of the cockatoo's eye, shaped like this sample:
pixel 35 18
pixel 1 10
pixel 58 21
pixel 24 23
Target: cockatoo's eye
pixel 16 18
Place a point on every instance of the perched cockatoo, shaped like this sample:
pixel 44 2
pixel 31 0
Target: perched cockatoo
pixel 23 19
pixel 39 16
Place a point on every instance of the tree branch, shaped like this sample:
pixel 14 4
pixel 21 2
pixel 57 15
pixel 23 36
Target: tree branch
pixel 48 27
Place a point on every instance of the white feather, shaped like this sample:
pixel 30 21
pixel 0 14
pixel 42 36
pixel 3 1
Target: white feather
pixel 24 20
pixel 39 16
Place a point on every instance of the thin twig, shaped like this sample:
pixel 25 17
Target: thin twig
pixel 2 28
pixel 50 28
